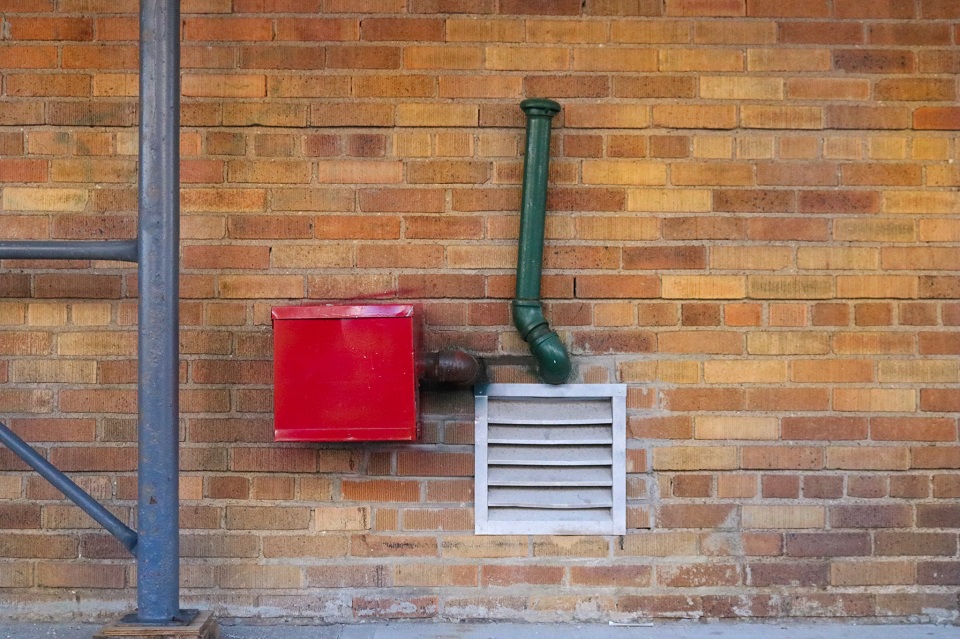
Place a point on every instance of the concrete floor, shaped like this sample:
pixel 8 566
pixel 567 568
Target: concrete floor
pixel 407 630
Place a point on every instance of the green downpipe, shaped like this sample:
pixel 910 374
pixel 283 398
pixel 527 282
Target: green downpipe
pixel 553 361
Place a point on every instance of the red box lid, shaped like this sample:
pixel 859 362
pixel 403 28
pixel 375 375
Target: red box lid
pixel 337 311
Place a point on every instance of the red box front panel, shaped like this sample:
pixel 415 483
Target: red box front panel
pixel 344 373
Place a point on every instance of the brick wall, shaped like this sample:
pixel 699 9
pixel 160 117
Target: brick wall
pixel 752 224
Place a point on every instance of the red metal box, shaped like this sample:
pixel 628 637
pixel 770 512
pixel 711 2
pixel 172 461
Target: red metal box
pixel 344 373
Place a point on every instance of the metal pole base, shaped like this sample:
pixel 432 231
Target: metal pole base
pixel 197 625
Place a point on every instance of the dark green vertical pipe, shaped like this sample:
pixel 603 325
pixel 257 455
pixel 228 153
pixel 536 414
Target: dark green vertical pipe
pixel 553 361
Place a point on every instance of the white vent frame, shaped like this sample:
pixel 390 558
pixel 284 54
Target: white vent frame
pixel 600 518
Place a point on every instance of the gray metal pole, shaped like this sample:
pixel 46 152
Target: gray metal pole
pixel 158 556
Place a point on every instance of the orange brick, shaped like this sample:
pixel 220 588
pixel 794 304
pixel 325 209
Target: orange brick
pixel 833 370
pixel 308 86
pixel 625 173
pixel 779 517
pixel 261 286
pixel 437 115
pixel 712 174
pixel 233 85
pixel 735 32
pixel 363 57
pixel 875 400
pixel 877 286
pixel 745 88
pixel 268 171
pixel 703 287
pixel 887 573
pixel 727 428
pixel 861 230
pixel 744 372
pixel 695 458
pixel 564 31
pixel 480 86
pixel 650 32
pixel 527 58
pixel 868 458
pixel 788 343
pixel 776 117
pixel 680 60
pixel 695 117
pixel 788 60
pixel 617 59
pixel 827 89
pixel 607 116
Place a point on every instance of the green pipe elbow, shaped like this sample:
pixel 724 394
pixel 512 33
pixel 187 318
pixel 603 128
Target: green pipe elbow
pixel 553 361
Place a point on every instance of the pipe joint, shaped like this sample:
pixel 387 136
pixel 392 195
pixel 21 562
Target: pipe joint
pixel 553 361
pixel 540 107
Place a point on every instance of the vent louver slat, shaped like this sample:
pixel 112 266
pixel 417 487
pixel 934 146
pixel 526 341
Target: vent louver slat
pixel 551 459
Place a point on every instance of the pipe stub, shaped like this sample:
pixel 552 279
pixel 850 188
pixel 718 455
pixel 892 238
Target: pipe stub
pixel 540 106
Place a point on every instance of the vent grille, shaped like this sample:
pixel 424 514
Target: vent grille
pixel 551 459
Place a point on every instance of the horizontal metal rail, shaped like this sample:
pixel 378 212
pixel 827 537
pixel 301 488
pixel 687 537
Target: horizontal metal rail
pixel 89 505
pixel 118 250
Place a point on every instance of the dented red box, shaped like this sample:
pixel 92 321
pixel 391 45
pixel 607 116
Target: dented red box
pixel 345 373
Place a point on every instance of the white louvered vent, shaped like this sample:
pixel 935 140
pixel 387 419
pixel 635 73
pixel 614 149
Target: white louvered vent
pixel 551 459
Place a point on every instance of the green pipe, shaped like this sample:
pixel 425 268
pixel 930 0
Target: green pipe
pixel 552 358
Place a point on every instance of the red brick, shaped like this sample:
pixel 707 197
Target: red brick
pixel 874 60
pixel 878 9
pixel 704 228
pixel 937 118
pixel 699 575
pixel 227 29
pixel 867 117
pixel 828 544
pixel 392 546
pixel 871 516
pixel 540 7
pixel 754 201
pixel 664 257
pixel 720 516
pixel 938 515
pixel 19 516
pixel 706 8
pixel 909 34
pixel 799 174
pixel 788 574
pixel 914 89
pixel 787 229
pixel 913 429
pixel 302 29
pixel 606 341
pixel 75 29
pixel 286 57
pixel 915 543
pixel 939 9
pixel 881 174
pixel 804 32
pixel 939 573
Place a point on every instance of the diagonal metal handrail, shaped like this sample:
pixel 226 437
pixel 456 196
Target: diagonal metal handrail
pixel 126 535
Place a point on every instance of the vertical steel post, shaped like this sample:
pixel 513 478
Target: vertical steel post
pixel 158 236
